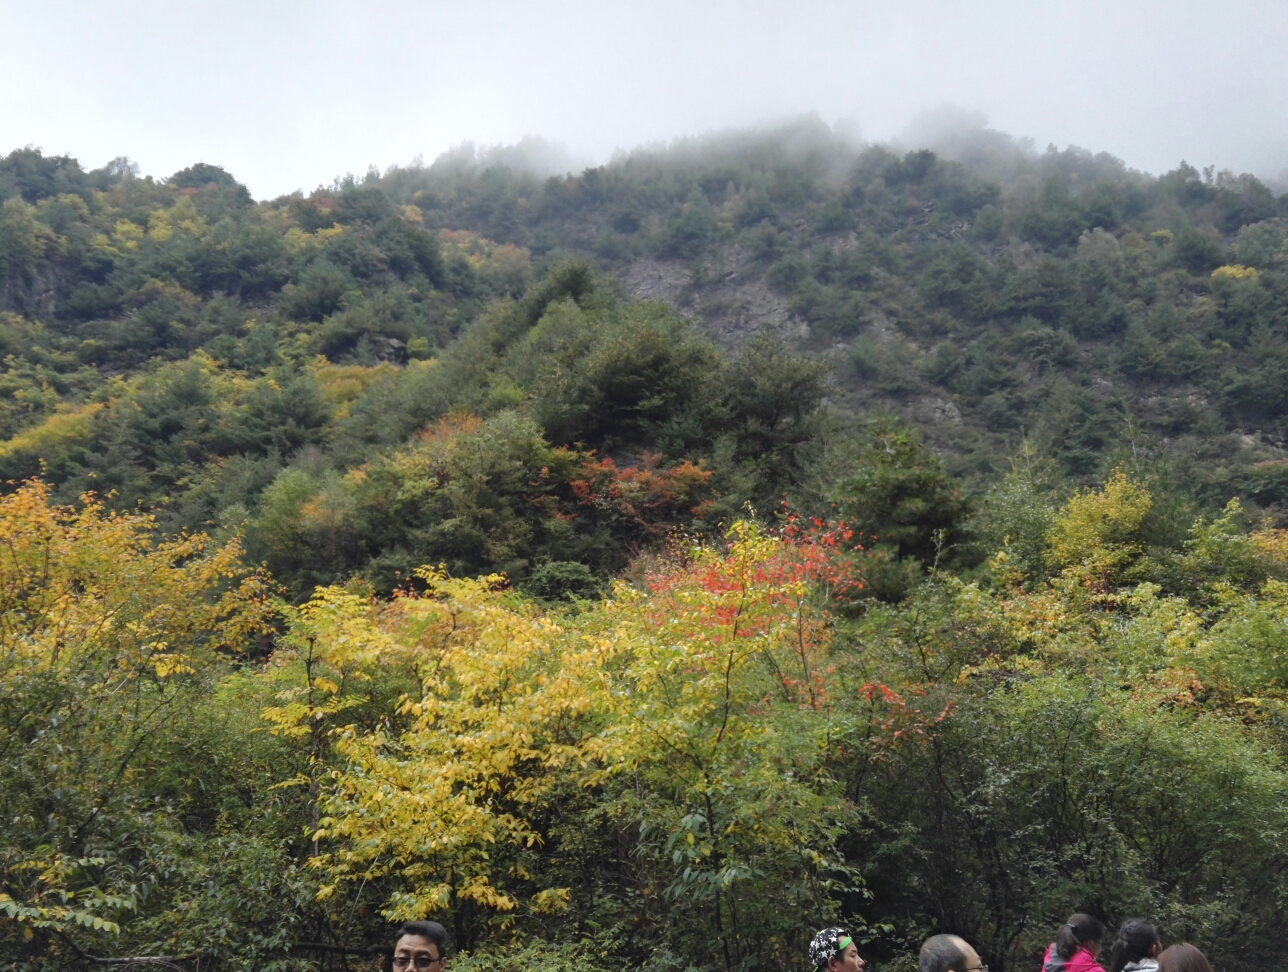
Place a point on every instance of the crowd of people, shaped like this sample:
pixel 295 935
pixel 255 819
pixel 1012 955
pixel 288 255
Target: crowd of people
pixel 1078 947
pixel 1079 944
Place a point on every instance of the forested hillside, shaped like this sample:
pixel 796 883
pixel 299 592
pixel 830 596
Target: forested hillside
pixel 642 568
pixel 281 367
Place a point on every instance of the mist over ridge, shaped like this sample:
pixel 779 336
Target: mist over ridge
pixel 952 132
pixel 1148 81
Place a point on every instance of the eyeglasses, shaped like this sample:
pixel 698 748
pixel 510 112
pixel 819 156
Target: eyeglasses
pixel 419 961
pixel 977 968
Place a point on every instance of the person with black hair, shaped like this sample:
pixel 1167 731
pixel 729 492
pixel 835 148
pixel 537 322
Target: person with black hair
pixel 949 953
pixel 1076 946
pixel 1136 948
pixel 420 946
pixel 833 950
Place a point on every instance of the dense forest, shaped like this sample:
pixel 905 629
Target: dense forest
pixel 647 566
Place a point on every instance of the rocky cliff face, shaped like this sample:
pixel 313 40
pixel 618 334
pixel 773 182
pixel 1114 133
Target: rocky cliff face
pixel 730 302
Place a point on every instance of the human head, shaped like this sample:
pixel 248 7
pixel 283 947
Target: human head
pixel 420 946
pixel 948 953
pixel 833 950
pixel 1137 939
pixel 1183 958
pixel 1080 931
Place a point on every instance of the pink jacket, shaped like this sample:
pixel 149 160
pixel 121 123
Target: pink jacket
pixel 1081 961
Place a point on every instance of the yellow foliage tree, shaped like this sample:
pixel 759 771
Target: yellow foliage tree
pixel 1235 271
pixel 96 614
pixel 438 805
pixel 696 699
pixel 1093 536
pixel 183 216
pixel 87 590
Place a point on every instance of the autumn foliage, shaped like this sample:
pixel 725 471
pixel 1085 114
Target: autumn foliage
pixel 100 626
pixel 734 744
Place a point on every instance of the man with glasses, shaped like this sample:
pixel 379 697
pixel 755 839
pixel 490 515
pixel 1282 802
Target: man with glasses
pixel 949 953
pixel 420 946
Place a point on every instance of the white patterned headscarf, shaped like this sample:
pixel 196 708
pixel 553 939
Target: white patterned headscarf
pixel 828 942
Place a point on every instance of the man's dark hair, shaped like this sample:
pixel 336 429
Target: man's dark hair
pixel 432 930
pixel 941 953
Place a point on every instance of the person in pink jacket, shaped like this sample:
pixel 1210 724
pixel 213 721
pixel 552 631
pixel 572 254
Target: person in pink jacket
pixel 1076 946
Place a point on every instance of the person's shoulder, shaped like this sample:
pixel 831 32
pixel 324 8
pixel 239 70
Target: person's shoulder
pixel 1082 961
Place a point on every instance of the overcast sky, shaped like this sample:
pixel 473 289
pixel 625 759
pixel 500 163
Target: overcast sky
pixel 288 95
